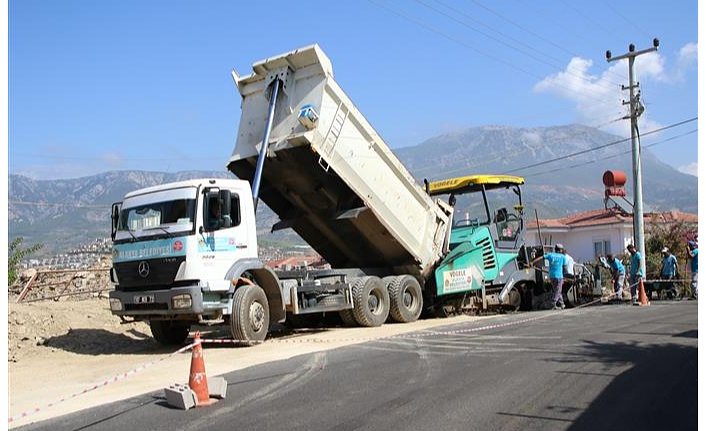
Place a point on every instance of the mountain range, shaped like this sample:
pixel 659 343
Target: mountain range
pixel 563 168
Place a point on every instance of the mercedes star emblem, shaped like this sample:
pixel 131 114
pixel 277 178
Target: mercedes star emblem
pixel 143 269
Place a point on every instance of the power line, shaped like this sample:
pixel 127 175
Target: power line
pixel 609 157
pixel 491 158
pixel 453 39
pixel 546 40
pixel 538 36
pixel 529 31
pixel 498 40
pixel 628 20
pixel 595 23
pixel 490 56
pixel 455 18
pixel 534 165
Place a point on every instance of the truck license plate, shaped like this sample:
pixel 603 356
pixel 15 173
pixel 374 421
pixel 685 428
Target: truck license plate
pixel 144 299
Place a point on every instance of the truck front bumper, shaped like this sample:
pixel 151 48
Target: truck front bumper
pixel 169 302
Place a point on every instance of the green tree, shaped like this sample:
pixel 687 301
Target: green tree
pixel 15 254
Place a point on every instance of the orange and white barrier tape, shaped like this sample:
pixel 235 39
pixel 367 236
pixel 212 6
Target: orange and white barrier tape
pixel 99 385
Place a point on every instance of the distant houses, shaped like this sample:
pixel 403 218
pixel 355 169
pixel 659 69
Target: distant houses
pixel 590 234
pixel 292 263
pixel 90 254
pixel 82 257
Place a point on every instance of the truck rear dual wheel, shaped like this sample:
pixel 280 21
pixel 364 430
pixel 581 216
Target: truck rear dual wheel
pixel 348 318
pixel 405 298
pixel 169 333
pixel 371 301
pixel 250 316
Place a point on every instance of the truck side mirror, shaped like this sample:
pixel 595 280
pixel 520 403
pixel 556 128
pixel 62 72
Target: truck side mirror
pixel 114 217
pixel 224 196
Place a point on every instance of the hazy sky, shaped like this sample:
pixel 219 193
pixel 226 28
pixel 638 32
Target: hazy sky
pixel 95 86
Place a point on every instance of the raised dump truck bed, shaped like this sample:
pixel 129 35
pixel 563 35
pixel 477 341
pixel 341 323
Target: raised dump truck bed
pixel 328 175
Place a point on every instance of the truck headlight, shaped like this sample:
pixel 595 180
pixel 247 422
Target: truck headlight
pixel 181 301
pixel 115 304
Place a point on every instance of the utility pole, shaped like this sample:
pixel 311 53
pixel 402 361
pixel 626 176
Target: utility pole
pixel 636 109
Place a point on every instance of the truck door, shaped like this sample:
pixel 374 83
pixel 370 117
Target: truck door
pixel 224 236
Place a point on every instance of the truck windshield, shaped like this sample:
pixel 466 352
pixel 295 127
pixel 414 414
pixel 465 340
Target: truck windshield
pixel 178 213
pixel 174 215
pixel 470 208
pixel 163 211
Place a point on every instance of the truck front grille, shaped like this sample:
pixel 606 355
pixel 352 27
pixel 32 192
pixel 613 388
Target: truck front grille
pixel 148 273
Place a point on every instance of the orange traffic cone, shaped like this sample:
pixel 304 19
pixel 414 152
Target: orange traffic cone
pixel 642 296
pixel 197 375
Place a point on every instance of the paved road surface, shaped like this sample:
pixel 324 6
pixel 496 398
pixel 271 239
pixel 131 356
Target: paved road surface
pixel 611 367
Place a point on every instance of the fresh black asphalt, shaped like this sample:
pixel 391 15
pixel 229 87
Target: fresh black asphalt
pixel 603 367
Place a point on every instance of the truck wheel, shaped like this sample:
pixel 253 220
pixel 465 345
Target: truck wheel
pixel 348 318
pixel 405 299
pixel 387 281
pixel 169 333
pixel 250 316
pixel 371 301
pixel 303 320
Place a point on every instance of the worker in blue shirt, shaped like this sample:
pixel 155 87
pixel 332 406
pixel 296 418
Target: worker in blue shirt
pixel 693 253
pixel 557 262
pixel 617 272
pixel 636 274
pixel 668 273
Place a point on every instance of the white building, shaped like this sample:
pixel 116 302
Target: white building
pixel 590 234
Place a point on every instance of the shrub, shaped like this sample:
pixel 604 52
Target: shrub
pixel 15 254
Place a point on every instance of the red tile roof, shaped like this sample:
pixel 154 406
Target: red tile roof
pixel 604 217
pixel 674 215
pixel 296 261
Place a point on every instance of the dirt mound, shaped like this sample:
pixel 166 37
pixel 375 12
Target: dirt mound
pixel 80 326
pixel 65 309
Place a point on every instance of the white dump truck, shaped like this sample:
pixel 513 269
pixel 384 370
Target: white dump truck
pixel 186 253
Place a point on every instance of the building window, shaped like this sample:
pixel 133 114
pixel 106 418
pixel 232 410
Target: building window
pixel 601 248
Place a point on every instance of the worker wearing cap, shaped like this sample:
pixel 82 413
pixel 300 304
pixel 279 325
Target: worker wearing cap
pixel 668 273
pixel 693 252
pixel 635 271
pixel 557 262
pixel 617 273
